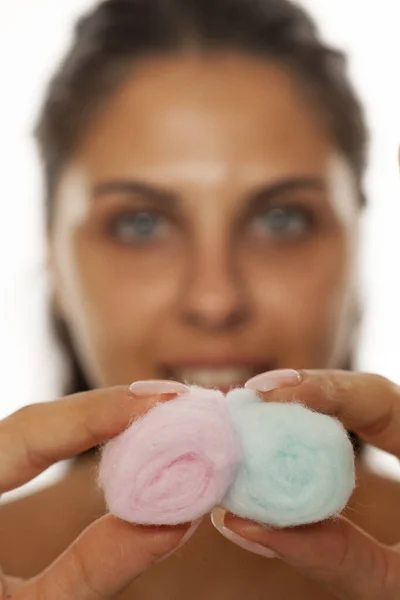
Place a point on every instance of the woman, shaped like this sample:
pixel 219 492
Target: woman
pixel 204 163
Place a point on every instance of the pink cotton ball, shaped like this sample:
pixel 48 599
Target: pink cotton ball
pixel 173 465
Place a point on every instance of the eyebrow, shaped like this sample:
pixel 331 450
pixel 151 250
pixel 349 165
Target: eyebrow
pixel 156 194
pixel 267 193
pixel 263 194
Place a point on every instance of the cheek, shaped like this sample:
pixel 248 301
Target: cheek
pixel 115 302
pixel 303 297
pixel 117 284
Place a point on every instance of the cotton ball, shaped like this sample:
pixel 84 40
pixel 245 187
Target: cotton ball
pixel 298 465
pixel 174 464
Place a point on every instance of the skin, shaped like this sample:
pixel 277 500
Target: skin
pixel 212 282
pixel 216 283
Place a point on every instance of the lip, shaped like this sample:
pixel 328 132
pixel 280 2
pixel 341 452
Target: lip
pixel 256 367
pixel 208 362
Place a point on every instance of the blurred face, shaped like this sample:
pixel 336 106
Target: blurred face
pixel 205 229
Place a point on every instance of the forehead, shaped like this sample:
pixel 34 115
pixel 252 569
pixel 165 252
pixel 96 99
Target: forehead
pixel 227 109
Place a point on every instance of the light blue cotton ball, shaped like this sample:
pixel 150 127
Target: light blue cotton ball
pixel 298 464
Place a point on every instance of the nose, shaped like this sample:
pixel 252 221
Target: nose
pixel 214 298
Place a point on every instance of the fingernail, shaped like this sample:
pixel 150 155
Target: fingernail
pixel 189 533
pixel 241 542
pixel 155 387
pixel 273 380
pixel 184 539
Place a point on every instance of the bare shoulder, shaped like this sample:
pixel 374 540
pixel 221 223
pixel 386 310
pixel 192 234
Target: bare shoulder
pixel 25 525
pixel 37 528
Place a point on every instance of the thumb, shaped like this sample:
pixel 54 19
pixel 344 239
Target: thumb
pixel 336 553
pixel 106 557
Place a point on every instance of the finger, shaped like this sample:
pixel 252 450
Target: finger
pixel 367 404
pixel 10 585
pixel 335 553
pixel 39 435
pixel 107 556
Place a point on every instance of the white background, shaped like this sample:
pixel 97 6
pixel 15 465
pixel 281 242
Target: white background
pixel 33 36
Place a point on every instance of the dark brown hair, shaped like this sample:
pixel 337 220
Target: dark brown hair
pixel 117 33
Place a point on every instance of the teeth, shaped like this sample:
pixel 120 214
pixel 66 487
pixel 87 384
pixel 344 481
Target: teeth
pixel 218 377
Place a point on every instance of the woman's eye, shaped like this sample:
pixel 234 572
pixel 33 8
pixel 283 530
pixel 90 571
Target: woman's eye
pixel 284 222
pixel 138 227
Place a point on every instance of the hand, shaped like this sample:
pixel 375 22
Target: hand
pixel 110 553
pixel 336 553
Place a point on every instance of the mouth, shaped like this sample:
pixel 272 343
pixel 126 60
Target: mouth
pixel 223 377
